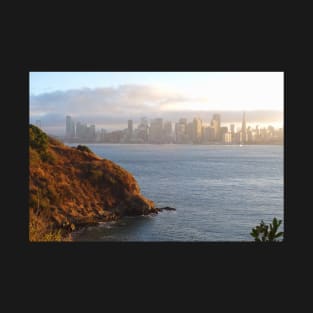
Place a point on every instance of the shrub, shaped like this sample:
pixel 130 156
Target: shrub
pixel 264 232
pixel 38 140
pixel 47 156
pixel 83 148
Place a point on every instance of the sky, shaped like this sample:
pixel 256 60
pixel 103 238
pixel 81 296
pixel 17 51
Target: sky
pixel 109 99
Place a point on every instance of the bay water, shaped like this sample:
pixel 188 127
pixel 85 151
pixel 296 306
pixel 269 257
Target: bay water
pixel 219 191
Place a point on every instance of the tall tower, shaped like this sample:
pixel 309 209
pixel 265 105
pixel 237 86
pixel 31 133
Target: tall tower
pixel 156 130
pixel 216 124
pixel 244 128
pixel 130 127
pixel 197 130
pixel 70 127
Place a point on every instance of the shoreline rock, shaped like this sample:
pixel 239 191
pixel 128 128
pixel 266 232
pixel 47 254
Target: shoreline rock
pixel 166 208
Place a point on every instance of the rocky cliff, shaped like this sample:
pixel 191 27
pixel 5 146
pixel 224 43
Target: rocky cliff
pixel 73 187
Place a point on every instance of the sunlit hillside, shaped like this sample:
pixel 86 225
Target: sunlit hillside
pixel 72 187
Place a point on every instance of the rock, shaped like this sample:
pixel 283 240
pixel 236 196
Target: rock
pixel 167 208
pixel 136 205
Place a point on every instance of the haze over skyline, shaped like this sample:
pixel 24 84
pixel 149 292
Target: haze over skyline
pixel 109 99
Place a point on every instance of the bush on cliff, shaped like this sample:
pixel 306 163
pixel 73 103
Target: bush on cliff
pixel 264 232
pixel 38 140
pixel 83 148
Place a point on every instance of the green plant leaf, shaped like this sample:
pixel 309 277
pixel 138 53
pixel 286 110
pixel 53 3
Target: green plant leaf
pixel 279 234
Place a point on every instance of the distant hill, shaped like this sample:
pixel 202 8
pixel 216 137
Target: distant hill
pixel 72 187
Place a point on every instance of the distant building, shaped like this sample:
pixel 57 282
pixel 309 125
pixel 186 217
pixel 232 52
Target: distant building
pixel 114 136
pixel 237 138
pixel 183 121
pixel 216 125
pixel 228 138
pixel 69 128
pixel 243 129
pixel 197 130
pixel 209 134
pixel 190 132
pixel 250 135
pixel 85 132
pixel 156 131
pixel 257 131
pixel 130 127
pixel 181 131
pixel 141 133
pixel 144 121
pixel 80 130
pixel 233 132
pixel 102 134
pixel 168 137
pixel 223 131
pixel 92 132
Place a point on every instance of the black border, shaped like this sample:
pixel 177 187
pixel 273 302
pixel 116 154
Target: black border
pixel 63 39
pixel 92 254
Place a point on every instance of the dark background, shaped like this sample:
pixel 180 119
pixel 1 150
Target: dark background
pixel 57 38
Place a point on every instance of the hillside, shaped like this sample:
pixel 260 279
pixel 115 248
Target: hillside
pixel 72 187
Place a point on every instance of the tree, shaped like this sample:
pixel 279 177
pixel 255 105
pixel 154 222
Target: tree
pixel 264 232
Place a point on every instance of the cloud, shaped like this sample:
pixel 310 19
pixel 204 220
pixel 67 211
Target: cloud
pixel 111 107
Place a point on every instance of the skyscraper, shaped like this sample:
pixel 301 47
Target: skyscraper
pixel 208 134
pixel 197 130
pixel 181 131
pixel 156 131
pixel 130 128
pixel 216 124
pixel 167 131
pixel 244 128
pixel 232 128
pixel 70 128
pixel 142 130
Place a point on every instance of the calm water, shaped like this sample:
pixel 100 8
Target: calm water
pixel 220 192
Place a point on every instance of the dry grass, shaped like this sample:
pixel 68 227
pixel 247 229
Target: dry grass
pixel 67 185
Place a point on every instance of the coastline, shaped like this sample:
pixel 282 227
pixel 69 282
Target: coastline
pixel 81 225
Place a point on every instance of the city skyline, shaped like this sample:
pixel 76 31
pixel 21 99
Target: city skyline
pixel 108 99
pixel 183 131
